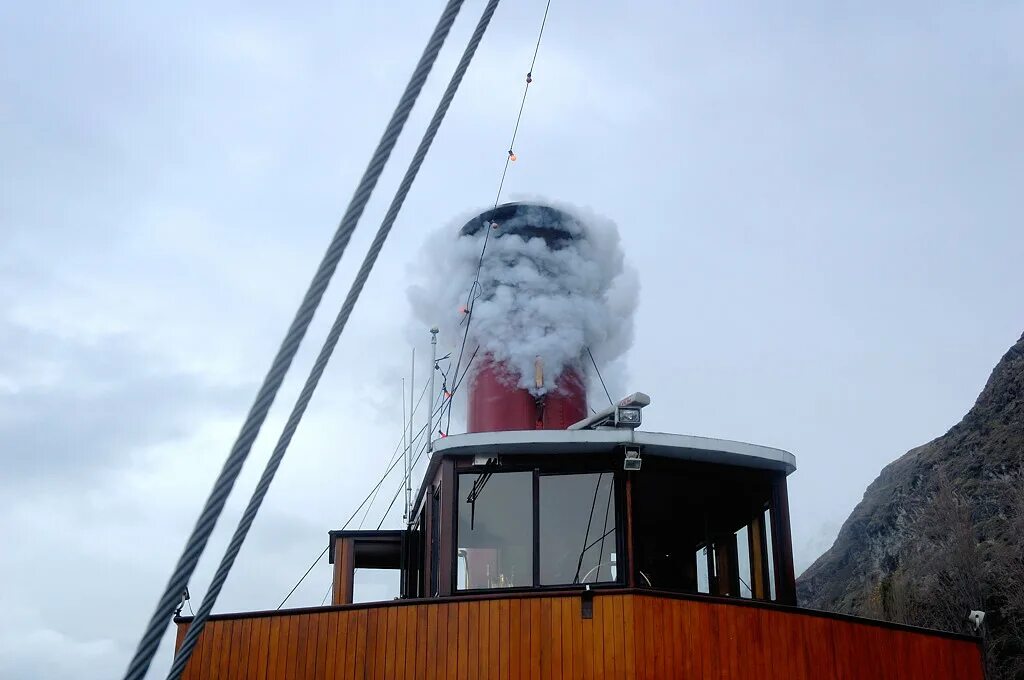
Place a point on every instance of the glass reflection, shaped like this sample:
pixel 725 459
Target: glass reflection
pixel 495 533
pixel 577 529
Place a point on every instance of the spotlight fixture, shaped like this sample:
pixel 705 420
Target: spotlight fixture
pixel 632 462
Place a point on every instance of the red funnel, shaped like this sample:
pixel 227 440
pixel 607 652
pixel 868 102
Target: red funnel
pixel 497 403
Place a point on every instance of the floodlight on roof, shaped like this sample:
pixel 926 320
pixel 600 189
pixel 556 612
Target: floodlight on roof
pixel 625 414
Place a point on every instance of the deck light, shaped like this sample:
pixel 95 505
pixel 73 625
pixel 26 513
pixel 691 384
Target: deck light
pixel 627 417
pixel 626 414
pixel 632 461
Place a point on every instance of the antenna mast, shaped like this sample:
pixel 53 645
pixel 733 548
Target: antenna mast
pixel 430 407
pixel 408 451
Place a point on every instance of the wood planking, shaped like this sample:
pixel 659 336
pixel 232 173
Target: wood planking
pixel 630 635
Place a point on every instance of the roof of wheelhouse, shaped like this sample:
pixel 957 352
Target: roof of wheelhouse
pixel 602 441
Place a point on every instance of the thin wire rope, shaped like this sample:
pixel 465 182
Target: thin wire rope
pixel 475 287
pixel 355 512
pixel 397 449
pixel 407 477
pixel 274 462
pixel 351 517
pixel 451 396
pixel 397 493
pixel 347 522
pixel 329 589
pixel 600 377
pixel 522 103
pixel 196 543
pixel 607 508
pixel 586 537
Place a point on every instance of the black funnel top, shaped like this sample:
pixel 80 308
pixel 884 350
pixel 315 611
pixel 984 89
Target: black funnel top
pixel 529 220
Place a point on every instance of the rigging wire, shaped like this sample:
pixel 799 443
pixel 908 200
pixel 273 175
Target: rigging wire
pixel 586 537
pixel 455 389
pixel 395 497
pixel 522 104
pixel 607 508
pixel 475 288
pixel 327 594
pixel 214 506
pixel 227 561
pixel 398 447
pixel 367 498
pixel 355 512
pixel 600 377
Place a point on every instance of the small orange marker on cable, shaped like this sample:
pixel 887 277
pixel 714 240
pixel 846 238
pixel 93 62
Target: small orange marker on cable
pixel 511 155
pixel 529 78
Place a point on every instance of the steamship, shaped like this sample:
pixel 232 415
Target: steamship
pixel 552 540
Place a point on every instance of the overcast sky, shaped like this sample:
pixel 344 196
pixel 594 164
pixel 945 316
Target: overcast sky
pixel 822 201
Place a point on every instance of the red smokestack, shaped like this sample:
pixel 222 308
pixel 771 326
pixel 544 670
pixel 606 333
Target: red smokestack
pixel 497 403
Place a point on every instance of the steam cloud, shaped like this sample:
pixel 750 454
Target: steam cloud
pixel 533 300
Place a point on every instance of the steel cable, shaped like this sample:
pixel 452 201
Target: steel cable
pixel 274 462
pixel 196 543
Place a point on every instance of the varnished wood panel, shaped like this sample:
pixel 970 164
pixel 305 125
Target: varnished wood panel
pixel 631 635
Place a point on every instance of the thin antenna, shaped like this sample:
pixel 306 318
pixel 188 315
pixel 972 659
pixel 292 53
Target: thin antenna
pixel 408 450
pixel 406 445
pixel 430 411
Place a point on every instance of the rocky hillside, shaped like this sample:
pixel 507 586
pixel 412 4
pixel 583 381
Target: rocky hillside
pixel 941 528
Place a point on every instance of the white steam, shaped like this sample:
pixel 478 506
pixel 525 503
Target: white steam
pixel 533 301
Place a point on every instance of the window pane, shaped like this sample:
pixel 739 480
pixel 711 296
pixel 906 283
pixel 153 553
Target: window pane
pixel 771 553
pixel 703 581
pixel 743 553
pixel 577 529
pixel 495 539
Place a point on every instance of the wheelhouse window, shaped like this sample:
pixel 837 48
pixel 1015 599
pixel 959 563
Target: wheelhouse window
pixel 576 539
pixel 578 542
pixel 495 539
pixel 704 529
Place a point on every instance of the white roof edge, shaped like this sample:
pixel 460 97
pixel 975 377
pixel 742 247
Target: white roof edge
pixel 682 446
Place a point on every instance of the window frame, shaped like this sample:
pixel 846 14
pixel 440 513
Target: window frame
pixel 621 566
pixel 621 544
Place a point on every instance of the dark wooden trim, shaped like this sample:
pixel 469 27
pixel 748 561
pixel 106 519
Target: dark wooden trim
pixel 343 550
pixel 712 566
pixel 727 565
pixel 394 534
pixel 536 526
pixel 449 524
pixel 631 546
pixel 758 557
pixel 576 592
pixel 428 543
pixel 621 550
pixel 782 543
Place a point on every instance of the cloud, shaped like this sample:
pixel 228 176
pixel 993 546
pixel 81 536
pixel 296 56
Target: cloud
pixel 70 409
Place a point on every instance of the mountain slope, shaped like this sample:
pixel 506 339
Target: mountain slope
pixel 905 524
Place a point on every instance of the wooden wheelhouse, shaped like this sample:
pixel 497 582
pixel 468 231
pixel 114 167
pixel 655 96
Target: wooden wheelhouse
pixel 548 509
pixel 535 554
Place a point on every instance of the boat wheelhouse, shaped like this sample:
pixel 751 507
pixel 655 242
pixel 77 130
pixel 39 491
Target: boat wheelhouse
pixel 608 552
